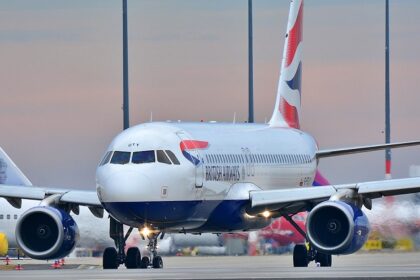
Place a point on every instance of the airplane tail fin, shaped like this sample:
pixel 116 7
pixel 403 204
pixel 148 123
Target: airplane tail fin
pixel 287 110
pixel 10 174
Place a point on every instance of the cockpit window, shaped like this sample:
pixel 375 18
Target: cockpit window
pixel 143 157
pixel 173 157
pixel 162 157
pixel 106 158
pixel 120 157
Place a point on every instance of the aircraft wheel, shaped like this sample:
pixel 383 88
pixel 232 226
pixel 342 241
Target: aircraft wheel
pixel 145 262
pixel 110 258
pixel 300 256
pixel 323 259
pixel 133 258
pixel 157 262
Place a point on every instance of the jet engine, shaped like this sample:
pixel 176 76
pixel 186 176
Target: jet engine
pixel 337 227
pixel 45 232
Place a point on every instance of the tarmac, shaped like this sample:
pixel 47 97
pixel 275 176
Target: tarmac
pixel 357 266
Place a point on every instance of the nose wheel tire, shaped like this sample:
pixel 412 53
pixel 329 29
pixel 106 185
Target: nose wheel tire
pixel 300 256
pixel 157 262
pixel 145 262
pixel 133 258
pixel 110 258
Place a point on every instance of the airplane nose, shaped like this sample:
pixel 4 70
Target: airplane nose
pixel 124 186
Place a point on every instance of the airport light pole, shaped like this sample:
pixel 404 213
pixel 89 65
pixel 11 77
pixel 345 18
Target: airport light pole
pixel 126 114
pixel 387 96
pixel 250 67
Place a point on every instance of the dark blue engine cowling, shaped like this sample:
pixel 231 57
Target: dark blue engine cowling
pixel 46 233
pixel 337 227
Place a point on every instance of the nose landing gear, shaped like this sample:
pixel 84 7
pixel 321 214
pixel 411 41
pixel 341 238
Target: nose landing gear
pixel 155 261
pixel 113 258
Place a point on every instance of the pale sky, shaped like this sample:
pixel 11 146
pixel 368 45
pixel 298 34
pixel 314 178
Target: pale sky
pixel 61 76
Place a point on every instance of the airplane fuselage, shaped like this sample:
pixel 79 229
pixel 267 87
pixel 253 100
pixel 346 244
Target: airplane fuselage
pixel 207 188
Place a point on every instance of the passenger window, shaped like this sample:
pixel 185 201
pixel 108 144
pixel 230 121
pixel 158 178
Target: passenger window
pixel 120 157
pixel 1 217
pixel 143 157
pixel 173 157
pixel 8 216
pixel 106 158
pixel 162 157
pixel 15 217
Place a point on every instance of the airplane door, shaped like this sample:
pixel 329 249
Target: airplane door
pixel 195 157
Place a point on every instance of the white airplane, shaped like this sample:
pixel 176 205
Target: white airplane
pixel 93 235
pixel 212 177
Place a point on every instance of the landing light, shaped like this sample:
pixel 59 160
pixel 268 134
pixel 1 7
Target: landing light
pixel 145 231
pixel 266 214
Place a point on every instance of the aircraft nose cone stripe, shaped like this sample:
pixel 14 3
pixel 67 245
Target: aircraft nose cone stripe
pixel 192 145
pixel 295 37
pixel 295 82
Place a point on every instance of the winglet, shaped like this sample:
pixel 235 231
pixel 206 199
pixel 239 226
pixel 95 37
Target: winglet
pixel 287 109
pixel 10 174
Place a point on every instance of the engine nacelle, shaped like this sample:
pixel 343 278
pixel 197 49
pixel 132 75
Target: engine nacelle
pixel 46 233
pixel 337 227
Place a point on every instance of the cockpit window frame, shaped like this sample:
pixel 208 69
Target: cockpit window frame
pixel 172 157
pixel 162 157
pixel 120 153
pixel 151 152
pixel 106 158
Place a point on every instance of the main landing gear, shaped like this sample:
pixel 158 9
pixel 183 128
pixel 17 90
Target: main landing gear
pixel 303 254
pixel 113 258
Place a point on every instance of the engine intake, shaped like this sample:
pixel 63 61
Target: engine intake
pixel 337 227
pixel 46 233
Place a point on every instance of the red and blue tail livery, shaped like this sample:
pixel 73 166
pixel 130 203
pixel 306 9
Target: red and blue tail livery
pixel 286 112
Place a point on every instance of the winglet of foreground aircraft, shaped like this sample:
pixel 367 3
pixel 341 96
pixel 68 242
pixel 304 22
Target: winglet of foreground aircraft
pixel 210 177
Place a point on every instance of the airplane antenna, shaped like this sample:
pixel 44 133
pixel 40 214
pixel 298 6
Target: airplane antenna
pixel 234 117
pixel 151 116
pixel 126 113
pixel 387 96
pixel 250 67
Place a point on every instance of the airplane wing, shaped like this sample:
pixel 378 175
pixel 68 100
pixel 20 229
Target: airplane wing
pixel 15 194
pixel 362 149
pixel 84 198
pixel 293 200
